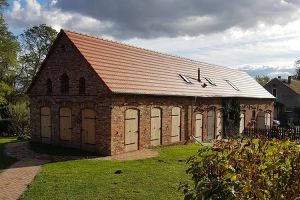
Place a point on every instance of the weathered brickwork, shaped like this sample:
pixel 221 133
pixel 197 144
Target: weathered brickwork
pixel 189 107
pixel 110 108
pixel 66 59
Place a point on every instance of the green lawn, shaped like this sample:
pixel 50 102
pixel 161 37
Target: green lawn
pixel 154 178
pixel 5 161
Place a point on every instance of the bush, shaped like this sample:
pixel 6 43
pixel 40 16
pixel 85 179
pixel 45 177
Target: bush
pixel 5 125
pixel 19 114
pixel 233 170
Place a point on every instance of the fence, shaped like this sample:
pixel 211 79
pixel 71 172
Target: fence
pixel 279 133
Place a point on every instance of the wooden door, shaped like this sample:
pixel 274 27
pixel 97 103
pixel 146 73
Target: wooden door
pixel 88 124
pixel 131 130
pixel 175 131
pixel 155 126
pixel 219 129
pixel 198 126
pixel 65 123
pixel 268 120
pixel 260 120
pixel 242 122
pixel 45 122
pixel 210 125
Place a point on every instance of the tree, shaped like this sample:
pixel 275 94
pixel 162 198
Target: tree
pixel 297 65
pixel 9 49
pixel 262 79
pixel 36 42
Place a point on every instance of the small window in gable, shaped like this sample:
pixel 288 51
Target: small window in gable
pixel 49 86
pixel 274 92
pixel 232 85
pixel 185 78
pixel 82 85
pixel 210 81
pixel 64 83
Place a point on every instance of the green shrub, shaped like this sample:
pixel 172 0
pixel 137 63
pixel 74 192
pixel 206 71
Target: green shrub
pixel 19 114
pixel 251 170
pixel 5 125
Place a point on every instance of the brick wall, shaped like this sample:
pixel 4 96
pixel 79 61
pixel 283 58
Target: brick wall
pixel 189 107
pixel 64 58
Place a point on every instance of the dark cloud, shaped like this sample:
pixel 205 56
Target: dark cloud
pixel 171 18
pixel 268 71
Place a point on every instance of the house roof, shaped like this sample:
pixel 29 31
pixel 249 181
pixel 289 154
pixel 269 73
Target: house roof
pixel 294 85
pixel 131 70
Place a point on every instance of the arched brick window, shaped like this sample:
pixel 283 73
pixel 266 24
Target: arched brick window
pixel 82 85
pixel 49 86
pixel 64 83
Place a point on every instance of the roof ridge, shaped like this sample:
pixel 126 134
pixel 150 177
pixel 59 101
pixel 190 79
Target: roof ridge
pixel 148 50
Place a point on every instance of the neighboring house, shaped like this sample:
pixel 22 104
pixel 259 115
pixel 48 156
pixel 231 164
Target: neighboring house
pixel 108 97
pixel 287 102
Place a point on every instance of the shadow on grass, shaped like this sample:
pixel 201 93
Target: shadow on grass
pixel 5 161
pixel 55 150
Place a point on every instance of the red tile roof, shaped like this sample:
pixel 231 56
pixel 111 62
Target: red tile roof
pixel 131 70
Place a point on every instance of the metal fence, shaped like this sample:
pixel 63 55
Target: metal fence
pixel 279 133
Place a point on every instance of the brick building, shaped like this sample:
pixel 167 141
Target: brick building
pixel 287 102
pixel 108 97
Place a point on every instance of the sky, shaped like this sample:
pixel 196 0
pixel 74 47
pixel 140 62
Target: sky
pixel 261 37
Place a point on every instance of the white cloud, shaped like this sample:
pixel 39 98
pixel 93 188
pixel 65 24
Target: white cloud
pixel 276 46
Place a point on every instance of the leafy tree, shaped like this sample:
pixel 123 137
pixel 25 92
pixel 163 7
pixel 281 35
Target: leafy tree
pixel 9 49
pixel 297 64
pixel 36 42
pixel 19 114
pixel 262 79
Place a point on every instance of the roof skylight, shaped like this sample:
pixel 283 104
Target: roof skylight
pixel 185 78
pixel 210 81
pixel 232 85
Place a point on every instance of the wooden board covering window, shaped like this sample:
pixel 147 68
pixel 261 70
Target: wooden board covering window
pixel 65 123
pixel 155 126
pixel 45 122
pixel 210 124
pixel 131 130
pixel 260 120
pixel 175 131
pixel 268 120
pixel 88 126
pixel 199 126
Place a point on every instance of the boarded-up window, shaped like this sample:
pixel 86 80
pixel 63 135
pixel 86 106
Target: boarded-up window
pixel 242 122
pixel 219 129
pixel 131 129
pixel 175 131
pixel 155 126
pixel 45 122
pixel 65 123
pixel 198 126
pixel 210 124
pixel 268 120
pixel 88 126
pixel 260 120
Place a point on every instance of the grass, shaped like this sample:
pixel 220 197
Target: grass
pixel 5 161
pixel 154 178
